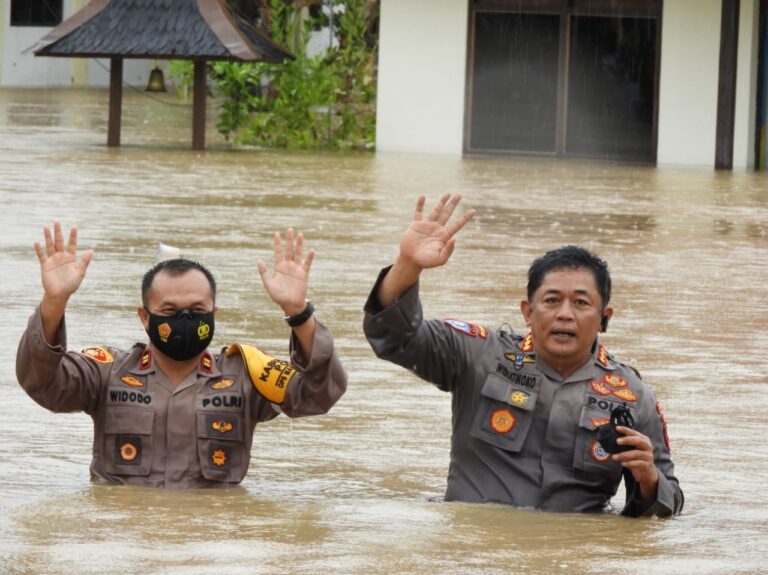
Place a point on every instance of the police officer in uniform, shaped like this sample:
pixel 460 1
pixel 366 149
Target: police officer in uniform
pixel 527 408
pixel 171 413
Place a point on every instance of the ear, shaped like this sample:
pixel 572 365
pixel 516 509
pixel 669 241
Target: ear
pixel 143 317
pixel 607 314
pixel 526 309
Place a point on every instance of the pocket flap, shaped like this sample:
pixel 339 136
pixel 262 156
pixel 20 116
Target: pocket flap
pixel 132 420
pixel 499 389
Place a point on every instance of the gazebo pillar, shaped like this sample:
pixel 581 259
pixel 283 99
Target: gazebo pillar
pixel 115 101
pixel 198 107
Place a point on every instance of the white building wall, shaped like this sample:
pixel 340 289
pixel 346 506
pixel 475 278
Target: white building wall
pixel 690 59
pixel 25 70
pixel 746 85
pixel 422 62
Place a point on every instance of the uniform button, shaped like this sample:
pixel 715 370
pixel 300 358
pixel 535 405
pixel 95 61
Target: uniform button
pixel 379 320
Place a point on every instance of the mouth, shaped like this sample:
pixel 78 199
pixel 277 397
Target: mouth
pixel 563 334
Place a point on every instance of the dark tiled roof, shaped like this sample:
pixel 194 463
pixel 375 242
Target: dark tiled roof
pixel 162 29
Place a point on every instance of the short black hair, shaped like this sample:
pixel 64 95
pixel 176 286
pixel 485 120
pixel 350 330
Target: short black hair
pixel 175 267
pixel 572 257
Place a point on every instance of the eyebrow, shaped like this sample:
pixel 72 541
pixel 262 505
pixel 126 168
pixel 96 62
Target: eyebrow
pixel 558 292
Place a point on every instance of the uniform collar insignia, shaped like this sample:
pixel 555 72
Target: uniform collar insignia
pixel 145 362
pixel 527 345
pixel 602 356
pixel 207 365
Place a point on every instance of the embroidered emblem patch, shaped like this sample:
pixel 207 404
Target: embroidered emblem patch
pixel 222 384
pixel 527 345
pixel 127 449
pixel 146 359
pixel 222 426
pixel 164 331
pixel 132 381
pixel 597 422
pixel 599 388
pixel 206 363
pixel 203 330
pixel 219 457
pixel 663 418
pixel 519 359
pixel 624 394
pixel 614 380
pixel 602 356
pixel 502 421
pixel 100 354
pixel 599 453
pixel 467 328
pixel 519 398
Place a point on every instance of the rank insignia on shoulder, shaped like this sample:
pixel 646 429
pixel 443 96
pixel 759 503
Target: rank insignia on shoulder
pixel 222 384
pixel 599 453
pixel 146 359
pixel 519 359
pixel 132 381
pixel 602 356
pixel 527 345
pixel 467 328
pixel 99 354
pixel 624 394
pixel 502 421
pixel 206 363
pixel 599 388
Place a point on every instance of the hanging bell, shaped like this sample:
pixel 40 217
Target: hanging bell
pixel 156 81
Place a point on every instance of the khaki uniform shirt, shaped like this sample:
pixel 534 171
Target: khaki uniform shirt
pixel 521 434
pixel 197 434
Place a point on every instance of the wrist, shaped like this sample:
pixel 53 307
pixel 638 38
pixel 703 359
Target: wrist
pixel 299 317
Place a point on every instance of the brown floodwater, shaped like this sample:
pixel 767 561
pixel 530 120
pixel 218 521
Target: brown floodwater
pixel 358 490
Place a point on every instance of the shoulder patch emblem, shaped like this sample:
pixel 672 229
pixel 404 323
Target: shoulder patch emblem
pixel 222 384
pixel 99 354
pixel 502 421
pixel 467 328
pixel 269 375
pixel 132 381
pixel 624 394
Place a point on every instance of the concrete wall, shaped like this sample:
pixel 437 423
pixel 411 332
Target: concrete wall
pixel 422 61
pixel 746 85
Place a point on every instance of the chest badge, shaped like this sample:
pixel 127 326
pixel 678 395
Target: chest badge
pixel 502 421
pixel 222 384
pixel 219 457
pixel 519 398
pixel 625 394
pixel 222 426
pixel 132 381
pixel 599 388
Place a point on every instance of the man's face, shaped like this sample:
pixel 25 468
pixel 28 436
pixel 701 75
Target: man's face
pixel 564 317
pixel 170 294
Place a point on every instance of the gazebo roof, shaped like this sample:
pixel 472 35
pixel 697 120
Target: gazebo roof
pixel 161 29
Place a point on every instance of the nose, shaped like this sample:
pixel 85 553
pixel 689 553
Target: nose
pixel 565 311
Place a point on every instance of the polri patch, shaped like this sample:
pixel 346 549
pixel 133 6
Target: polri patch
pixel 502 421
pixel 467 328
pixel 99 354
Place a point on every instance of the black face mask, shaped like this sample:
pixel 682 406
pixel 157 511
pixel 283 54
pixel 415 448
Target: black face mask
pixel 183 335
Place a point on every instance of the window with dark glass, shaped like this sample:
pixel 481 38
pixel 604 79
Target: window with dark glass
pixel 36 12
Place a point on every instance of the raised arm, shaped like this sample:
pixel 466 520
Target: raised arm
pixel 61 275
pixel 427 243
pixel 287 284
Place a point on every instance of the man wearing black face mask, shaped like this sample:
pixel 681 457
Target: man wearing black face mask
pixel 172 414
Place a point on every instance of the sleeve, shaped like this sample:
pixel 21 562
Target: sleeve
pixel 297 388
pixel 431 349
pixel 669 496
pixel 58 380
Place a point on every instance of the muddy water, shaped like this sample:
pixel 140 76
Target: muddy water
pixel 355 491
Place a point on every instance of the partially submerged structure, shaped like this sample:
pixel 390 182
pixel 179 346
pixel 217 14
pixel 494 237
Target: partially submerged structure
pixel 197 30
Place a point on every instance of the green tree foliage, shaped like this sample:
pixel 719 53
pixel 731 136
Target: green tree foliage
pixel 322 101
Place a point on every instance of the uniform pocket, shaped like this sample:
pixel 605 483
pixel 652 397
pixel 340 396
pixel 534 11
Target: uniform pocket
pixel 220 446
pixel 504 415
pixel 588 455
pixel 128 440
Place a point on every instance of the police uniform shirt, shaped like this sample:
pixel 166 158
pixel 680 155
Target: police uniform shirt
pixel 521 434
pixel 197 434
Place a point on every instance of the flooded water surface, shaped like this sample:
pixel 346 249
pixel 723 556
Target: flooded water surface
pixel 358 490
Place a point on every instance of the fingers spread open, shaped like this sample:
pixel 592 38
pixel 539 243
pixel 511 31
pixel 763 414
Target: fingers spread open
pixel 445 215
pixel 278 249
pixel 289 245
pixel 48 237
pixel 72 244
pixel 308 261
pixel 299 247
pixel 419 208
pixel 435 214
pixel 58 238
pixel 463 219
